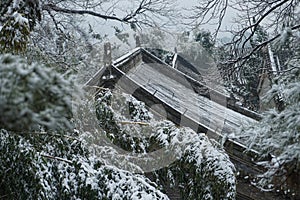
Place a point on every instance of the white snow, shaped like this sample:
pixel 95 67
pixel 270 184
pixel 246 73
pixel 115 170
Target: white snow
pixel 273 64
pixel 19 19
pixel 16 4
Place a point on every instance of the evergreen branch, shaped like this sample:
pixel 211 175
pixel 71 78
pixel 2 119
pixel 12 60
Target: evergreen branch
pixel 57 135
pixel 6 195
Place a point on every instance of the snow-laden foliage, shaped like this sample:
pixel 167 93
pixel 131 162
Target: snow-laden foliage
pixel 122 110
pixel 14 34
pixel 37 162
pixel 18 17
pixel 33 95
pixel 197 169
pixel 206 40
pixel 60 167
pixel 30 10
pixel 208 172
pixel 278 133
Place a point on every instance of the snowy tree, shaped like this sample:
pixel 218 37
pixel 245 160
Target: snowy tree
pixel 206 40
pixel 18 18
pixel 48 166
pixel 249 17
pixel 33 95
pixel 61 34
pixel 244 82
pixel 42 156
pixel 256 25
pixel 278 133
pixel 276 136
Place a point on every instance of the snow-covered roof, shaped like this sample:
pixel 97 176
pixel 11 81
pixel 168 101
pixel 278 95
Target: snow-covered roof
pixel 184 100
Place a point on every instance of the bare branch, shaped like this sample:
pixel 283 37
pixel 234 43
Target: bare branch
pixel 259 21
pixel 257 48
pixel 55 8
pixel 251 15
pixel 145 13
pixel 210 11
pixel 134 123
pixel 56 158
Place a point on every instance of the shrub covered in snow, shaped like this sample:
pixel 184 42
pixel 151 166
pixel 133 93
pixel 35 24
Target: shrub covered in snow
pixel 18 17
pixel 45 166
pixel 33 95
pixel 40 156
pixel 198 169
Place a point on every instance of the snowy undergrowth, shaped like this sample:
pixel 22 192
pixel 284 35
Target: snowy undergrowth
pixel 61 168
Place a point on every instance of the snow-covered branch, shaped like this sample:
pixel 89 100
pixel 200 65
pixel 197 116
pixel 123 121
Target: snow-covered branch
pixel 52 7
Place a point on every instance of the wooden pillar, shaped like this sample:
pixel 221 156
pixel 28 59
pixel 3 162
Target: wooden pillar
pixel 107 57
pixel 174 58
pixel 137 41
